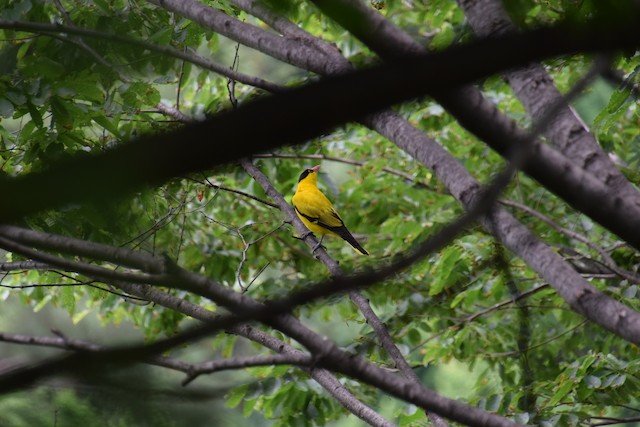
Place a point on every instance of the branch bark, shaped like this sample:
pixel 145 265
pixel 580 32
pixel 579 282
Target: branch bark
pixel 574 289
pixel 536 90
pixel 326 353
pixel 191 57
pixel 408 78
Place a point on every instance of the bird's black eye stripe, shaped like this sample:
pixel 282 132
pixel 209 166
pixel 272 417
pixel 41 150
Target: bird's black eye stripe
pixel 304 174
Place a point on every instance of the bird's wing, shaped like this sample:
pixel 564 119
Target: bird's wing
pixel 316 208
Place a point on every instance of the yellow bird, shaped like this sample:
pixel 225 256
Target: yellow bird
pixel 317 212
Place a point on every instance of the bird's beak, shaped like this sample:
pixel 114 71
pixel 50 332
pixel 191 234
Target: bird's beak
pixel 315 168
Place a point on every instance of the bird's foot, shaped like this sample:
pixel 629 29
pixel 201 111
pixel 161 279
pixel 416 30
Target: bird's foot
pixel 317 246
pixel 304 236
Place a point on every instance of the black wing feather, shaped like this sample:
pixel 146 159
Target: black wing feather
pixel 340 230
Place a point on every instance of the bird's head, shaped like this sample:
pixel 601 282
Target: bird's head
pixel 310 174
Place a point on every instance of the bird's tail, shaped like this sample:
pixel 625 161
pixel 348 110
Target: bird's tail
pixel 344 233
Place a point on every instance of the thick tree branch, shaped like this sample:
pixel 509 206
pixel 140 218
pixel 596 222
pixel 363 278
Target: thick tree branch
pixel 173 151
pixel 86 249
pixel 285 49
pixel 143 291
pixel 246 309
pixel 576 291
pixel 77 266
pixel 536 90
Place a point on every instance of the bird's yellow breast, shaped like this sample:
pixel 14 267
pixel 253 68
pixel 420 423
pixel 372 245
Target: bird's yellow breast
pixel 311 203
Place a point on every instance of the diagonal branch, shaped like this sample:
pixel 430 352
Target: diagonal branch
pixel 408 79
pixel 536 90
pixel 246 309
pixel 327 352
pixel 358 299
pixel 574 289
pixel 143 291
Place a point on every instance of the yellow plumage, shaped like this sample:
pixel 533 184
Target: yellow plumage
pixel 317 213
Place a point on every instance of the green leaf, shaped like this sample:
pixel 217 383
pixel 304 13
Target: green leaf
pixel 561 392
pixel 42 66
pixel 107 124
pixel 35 115
pixel 248 407
pixel 235 396
pixel 493 403
pixel 89 91
pixel 68 299
pixel 44 301
pixel 61 117
pixel 592 381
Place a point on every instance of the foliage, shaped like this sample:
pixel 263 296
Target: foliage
pixel 540 362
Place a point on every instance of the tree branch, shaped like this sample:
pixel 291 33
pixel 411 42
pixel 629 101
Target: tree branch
pixel 173 151
pixel 246 309
pixel 376 32
pixel 536 90
pixel 246 362
pixel 607 261
pixel 191 57
pixel 323 377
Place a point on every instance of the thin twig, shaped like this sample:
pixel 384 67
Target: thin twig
pixel 191 57
pixel 246 362
pixel 244 255
pixel 607 259
pixel 388 170
pixel 474 316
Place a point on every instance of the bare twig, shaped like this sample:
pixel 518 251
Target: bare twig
pixel 388 170
pixel 244 255
pixel 609 421
pixel 607 259
pixel 24 265
pixel 246 362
